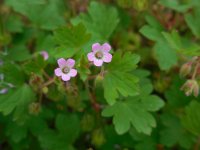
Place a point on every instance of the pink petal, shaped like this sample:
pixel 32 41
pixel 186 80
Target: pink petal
pixel 96 47
pixel 62 62
pixel 107 57
pixel 90 56
pixel 98 62
pixel 106 47
pixel 70 62
pixel 73 72
pixel 44 54
pixel 65 77
pixel 58 72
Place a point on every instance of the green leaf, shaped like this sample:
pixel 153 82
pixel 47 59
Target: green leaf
pixel 173 132
pixel 18 53
pixel 118 79
pixel 35 66
pixel 101 20
pixel 175 97
pixel 18 98
pixel 134 111
pixel 144 142
pixel 14 24
pixel 191 119
pixel 165 55
pixel 50 12
pixel 63 138
pixel 193 21
pixel 181 44
pixel 163 51
pixel 16 132
pixel 12 74
pixel 70 39
pixel 177 5
pixel 150 32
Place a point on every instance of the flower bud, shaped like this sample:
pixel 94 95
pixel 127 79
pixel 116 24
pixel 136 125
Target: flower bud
pixel 191 87
pixel 98 137
pixel 99 80
pixel 45 90
pixel 185 69
pixel 44 54
pixel 140 5
pixel 34 108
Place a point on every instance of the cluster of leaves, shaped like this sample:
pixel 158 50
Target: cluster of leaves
pixel 141 107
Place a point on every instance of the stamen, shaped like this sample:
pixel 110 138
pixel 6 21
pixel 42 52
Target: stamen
pixel 99 55
pixel 65 70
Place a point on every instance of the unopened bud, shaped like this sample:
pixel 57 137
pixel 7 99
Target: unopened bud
pixel 186 69
pixel 45 90
pixel 98 80
pixel 140 5
pixel 98 137
pixel 34 108
pixel 191 87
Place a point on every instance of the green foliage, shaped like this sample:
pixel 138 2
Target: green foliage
pixel 163 51
pixel 191 119
pixel 136 101
pixel 13 74
pixel 173 132
pixel 61 139
pixel 45 9
pixel 137 114
pixel 70 39
pixel 193 22
pixel 101 21
pixel 16 100
pixel 118 79
pixel 137 111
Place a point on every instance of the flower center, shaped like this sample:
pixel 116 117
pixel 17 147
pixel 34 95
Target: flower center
pixel 99 55
pixel 66 70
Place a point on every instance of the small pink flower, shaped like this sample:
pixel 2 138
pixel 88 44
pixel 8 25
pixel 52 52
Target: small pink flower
pixel 44 54
pixel 100 54
pixel 65 70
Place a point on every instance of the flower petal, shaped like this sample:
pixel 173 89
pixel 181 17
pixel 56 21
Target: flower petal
pixel 65 77
pixel 107 57
pixel 106 47
pixel 73 72
pixel 98 62
pixel 58 72
pixel 62 62
pixel 44 54
pixel 70 62
pixel 96 47
pixel 91 56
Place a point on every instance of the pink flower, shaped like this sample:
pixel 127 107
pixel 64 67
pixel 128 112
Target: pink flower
pixel 44 54
pixel 100 54
pixel 65 70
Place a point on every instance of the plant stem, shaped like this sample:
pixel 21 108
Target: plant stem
pixel 92 97
pixel 196 146
pixel 48 82
pixel 195 71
